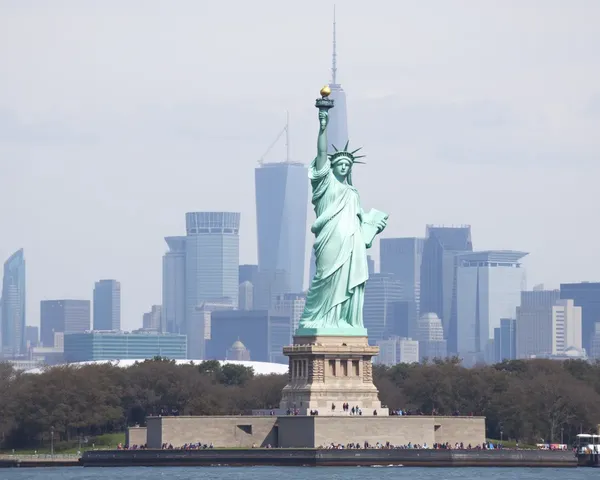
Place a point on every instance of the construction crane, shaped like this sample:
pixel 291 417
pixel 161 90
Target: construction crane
pixel 285 130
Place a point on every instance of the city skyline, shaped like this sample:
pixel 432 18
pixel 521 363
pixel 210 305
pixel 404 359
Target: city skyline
pixel 477 147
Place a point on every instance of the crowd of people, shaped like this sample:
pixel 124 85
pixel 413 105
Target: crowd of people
pixel 434 412
pixel 410 445
pixel 338 446
pixel 188 446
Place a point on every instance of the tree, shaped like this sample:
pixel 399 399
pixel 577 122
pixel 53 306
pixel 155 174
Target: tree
pixel 232 374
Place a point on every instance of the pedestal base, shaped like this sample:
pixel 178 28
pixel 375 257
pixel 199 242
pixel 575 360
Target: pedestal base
pixel 327 371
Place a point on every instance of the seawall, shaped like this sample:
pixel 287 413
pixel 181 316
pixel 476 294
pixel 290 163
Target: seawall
pixel 320 457
pixel 26 461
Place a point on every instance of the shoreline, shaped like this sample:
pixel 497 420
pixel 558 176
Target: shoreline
pixel 240 457
pixel 327 457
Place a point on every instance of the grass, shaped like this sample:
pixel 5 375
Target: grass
pixel 100 442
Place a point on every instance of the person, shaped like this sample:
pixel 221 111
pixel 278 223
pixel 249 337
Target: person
pixel 336 295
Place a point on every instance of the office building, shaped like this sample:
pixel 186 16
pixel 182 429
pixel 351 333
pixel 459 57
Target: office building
pixel 430 334
pixel 152 320
pixel 438 275
pixel 211 259
pixel 248 273
pixel 566 327
pixel 199 327
pixel 291 305
pixel 91 346
pixel 12 306
pixel 397 350
pixel 268 287
pixel 281 209
pixel 534 323
pixel 32 336
pixel 595 348
pixel 370 265
pixel 488 288
pixel 107 305
pixel 379 311
pixel 63 316
pixel 262 333
pixel 505 340
pixel 173 286
pixel 246 296
pixel 337 128
pixel 402 257
pixel 587 296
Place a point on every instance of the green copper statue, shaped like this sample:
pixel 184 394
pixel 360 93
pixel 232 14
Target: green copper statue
pixel 343 231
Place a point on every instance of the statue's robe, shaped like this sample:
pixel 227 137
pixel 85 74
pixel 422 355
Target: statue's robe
pixel 336 295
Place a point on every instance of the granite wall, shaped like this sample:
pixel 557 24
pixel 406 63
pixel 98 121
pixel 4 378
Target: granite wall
pixel 228 431
pixel 313 431
pixel 135 436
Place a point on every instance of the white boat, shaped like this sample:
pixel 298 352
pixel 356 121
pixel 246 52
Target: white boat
pixel 588 450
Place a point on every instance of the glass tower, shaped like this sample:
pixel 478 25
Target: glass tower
pixel 488 289
pixel 173 291
pixel 281 206
pixel 107 305
pixel 67 316
pixel 587 296
pixel 438 275
pixel 212 253
pixel 12 311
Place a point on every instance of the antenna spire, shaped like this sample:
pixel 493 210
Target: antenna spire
pixel 334 56
pixel 287 136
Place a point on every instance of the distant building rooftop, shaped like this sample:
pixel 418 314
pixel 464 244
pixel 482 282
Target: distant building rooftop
pixel 260 368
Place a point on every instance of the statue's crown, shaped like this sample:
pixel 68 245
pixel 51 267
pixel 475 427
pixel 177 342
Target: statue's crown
pixel 344 154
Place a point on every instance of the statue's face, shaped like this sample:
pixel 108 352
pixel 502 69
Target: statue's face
pixel 341 169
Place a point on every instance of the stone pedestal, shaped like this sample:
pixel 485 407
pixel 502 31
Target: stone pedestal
pixel 331 370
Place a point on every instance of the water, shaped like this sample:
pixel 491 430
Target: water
pixel 297 473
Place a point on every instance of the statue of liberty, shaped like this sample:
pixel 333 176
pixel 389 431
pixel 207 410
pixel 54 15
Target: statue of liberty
pixel 343 233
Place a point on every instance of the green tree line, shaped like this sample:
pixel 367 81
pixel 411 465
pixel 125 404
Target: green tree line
pixel 530 401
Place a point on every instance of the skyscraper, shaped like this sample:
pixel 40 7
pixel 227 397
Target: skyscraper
pixel 66 316
pixel 566 327
pixel 402 257
pixel 534 323
pixel 248 273
pixel 382 292
pixel 438 275
pixel 199 327
pixel 12 310
pixel 152 320
pixel 337 128
pixel 587 296
pixel 505 340
pixel 430 335
pixel 246 296
pixel 173 286
pixel 107 305
pixel 281 209
pixel 212 257
pixel 488 289
pixel 32 335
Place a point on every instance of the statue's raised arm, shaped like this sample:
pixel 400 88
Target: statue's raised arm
pixel 323 104
pixel 322 140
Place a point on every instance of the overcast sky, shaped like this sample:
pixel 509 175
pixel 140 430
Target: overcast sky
pixel 117 117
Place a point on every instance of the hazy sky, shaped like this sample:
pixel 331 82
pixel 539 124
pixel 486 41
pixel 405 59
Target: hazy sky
pixel 117 117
